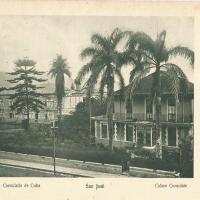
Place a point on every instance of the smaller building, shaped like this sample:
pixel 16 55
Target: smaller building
pixel 49 113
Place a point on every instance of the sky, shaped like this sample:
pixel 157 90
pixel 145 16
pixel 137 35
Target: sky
pixel 42 37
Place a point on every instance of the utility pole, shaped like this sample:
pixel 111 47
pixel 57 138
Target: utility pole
pixel 54 127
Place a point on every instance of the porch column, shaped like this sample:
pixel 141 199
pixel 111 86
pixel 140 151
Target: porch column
pixel 160 136
pixel 177 137
pixel 100 130
pixel 151 137
pixel 95 129
pixel 183 110
pixel 176 110
pixel 108 133
pixel 124 132
pixel 134 134
pixel 115 131
pixel 166 136
pixel 144 141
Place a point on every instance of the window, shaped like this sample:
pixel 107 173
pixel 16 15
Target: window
pixel 129 133
pixel 147 136
pixel 144 136
pixel 171 136
pixel 129 107
pixel 104 131
pixel 149 109
pixel 171 109
pixel 11 115
pixel 36 116
pixel 140 135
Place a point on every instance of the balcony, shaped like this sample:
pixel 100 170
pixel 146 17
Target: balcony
pixel 129 116
pixel 179 118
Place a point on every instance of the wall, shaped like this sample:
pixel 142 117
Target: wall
pixel 139 107
pixel 164 107
pixel 117 144
pixel 188 108
pixel 98 167
pixel 119 106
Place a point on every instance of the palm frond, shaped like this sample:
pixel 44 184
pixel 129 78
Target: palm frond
pixel 161 39
pixel 103 83
pixel 100 41
pixel 67 72
pixel 182 51
pixel 181 78
pixel 59 65
pixel 134 83
pixel 172 82
pixel 88 52
pixel 142 39
pixel 116 36
pixel 83 71
pixel 92 81
pixel 140 44
pixel 133 74
pixel 176 69
pixel 121 81
pixel 52 72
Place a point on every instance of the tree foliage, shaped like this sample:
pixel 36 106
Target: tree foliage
pixel 146 54
pixel 104 66
pixel 76 125
pixel 186 156
pixel 59 69
pixel 26 98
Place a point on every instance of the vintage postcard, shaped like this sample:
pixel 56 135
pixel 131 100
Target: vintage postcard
pixel 99 99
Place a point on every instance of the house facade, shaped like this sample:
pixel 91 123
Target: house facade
pixel 135 123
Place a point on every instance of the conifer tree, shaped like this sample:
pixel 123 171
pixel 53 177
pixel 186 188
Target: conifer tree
pixel 26 99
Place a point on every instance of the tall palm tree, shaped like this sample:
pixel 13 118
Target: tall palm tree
pixel 104 67
pixel 156 56
pixel 58 70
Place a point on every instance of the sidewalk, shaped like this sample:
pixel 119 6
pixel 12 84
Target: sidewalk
pixel 59 169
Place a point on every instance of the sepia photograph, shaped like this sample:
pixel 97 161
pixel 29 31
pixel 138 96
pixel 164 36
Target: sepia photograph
pixel 97 96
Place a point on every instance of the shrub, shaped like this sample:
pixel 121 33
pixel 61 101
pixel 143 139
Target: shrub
pixel 154 163
pixel 146 153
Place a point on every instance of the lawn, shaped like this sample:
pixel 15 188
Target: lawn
pixel 38 144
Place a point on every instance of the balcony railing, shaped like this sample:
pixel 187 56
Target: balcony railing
pixel 188 118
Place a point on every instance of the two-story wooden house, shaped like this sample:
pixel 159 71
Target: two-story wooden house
pixel 135 124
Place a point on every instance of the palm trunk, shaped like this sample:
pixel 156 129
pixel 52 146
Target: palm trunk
pixel 90 115
pixel 158 113
pixel 59 116
pixel 110 88
pixel 110 129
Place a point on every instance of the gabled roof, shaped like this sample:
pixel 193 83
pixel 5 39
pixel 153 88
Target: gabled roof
pixel 144 88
